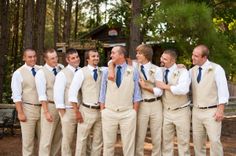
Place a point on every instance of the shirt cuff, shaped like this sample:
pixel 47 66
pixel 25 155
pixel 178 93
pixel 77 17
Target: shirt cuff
pixel 223 101
pixel 157 92
pixel 17 100
pixel 73 99
pixel 43 98
pixel 60 107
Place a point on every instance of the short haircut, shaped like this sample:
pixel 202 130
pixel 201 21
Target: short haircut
pixel 204 49
pixel 28 49
pixel 70 51
pixel 122 50
pixel 146 50
pixel 50 50
pixel 171 52
pixel 88 51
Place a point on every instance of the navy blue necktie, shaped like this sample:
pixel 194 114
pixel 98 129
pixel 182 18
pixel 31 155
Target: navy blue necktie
pixel 199 76
pixel 76 69
pixel 33 71
pixel 118 76
pixel 54 71
pixel 95 74
pixel 142 70
pixel 166 75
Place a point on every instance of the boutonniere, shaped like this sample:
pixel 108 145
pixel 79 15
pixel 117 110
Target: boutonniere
pixel 176 73
pixel 152 71
pixel 128 71
pixel 210 69
pixel 99 69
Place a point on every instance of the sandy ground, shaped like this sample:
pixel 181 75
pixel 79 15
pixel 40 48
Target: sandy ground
pixel 11 145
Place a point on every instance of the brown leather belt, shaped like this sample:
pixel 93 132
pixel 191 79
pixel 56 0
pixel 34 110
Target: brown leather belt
pixel 37 104
pixel 214 106
pixel 151 100
pixel 91 107
pixel 52 102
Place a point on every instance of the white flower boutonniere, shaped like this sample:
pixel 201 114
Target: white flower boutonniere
pixel 128 71
pixel 176 73
pixel 210 68
pixel 99 69
pixel 151 71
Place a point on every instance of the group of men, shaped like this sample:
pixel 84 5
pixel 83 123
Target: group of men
pixel 52 102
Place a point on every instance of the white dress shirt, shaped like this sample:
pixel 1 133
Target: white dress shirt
pixel 158 76
pixel 184 81
pixel 77 83
pixel 16 84
pixel 220 79
pixel 59 88
pixel 40 81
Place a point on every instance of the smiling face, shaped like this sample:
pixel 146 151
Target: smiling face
pixel 51 58
pixel 167 60
pixel 117 56
pixel 197 56
pixel 93 58
pixel 30 57
pixel 73 59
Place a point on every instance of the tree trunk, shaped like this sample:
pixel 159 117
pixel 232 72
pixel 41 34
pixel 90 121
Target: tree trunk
pixel 134 39
pixel 40 25
pixel 76 19
pixel 22 25
pixel 56 21
pixel 67 24
pixel 29 18
pixel 4 40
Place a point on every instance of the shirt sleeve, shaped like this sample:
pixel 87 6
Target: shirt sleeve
pixel 75 86
pixel 137 93
pixel 16 86
pixel 59 90
pixel 222 86
pixel 40 82
pixel 182 87
pixel 158 77
pixel 103 89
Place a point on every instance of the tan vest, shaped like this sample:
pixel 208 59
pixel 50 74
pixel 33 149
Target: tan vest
pixel 171 101
pixel 29 92
pixel 50 79
pixel 69 76
pixel 90 88
pixel 204 94
pixel 119 99
pixel 150 82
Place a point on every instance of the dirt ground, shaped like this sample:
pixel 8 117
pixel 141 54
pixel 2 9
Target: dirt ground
pixel 11 145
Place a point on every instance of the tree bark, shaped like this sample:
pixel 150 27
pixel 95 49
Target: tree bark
pixel 135 37
pixel 56 21
pixel 76 19
pixel 40 25
pixel 4 40
pixel 29 18
pixel 67 24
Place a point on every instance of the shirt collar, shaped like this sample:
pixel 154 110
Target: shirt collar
pixel 49 67
pixel 147 66
pixel 124 65
pixel 29 67
pixel 71 67
pixel 172 68
pixel 206 64
pixel 91 67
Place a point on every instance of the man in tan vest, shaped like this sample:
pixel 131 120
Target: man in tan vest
pixel 61 89
pixel 119 101
pixel 209 94
pixel 25 97
pixel 176 114
pixel 88 81
pixel 50 140
pixel 150 109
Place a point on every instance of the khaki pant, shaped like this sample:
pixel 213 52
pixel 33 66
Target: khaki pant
pixel 51 133
pixel 204 125
pixel 92 121
pixel 126 120
pixel 149 113
pixel 30 129
pixel 69 124
pixel 176 121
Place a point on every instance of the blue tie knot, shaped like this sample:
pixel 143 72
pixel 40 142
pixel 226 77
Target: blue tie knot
pixel 54 71
pixel 95 74
pixel 33 71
